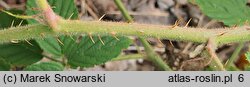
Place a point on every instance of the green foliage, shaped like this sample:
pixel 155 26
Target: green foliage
pixel 45 66
pixel 87 54
pixel 20 53
pixel 51 45
pixel 4 66
pixel 83 53
pixel 6 20
pixel 63 8
pixel 230 12
pixel 248 56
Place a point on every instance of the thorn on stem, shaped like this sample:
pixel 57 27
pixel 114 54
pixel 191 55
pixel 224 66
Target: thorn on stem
pixel 20 23
pixel 221 33
pixel 14 41
pixel 226 62
pixel 160 42
pixel 70 16
pixel 59 41
pixel 101 17
pixel 29 42
pixel 101 40
pixel 91 37
pixel 176 23
pixel 114 35
pixel 188 22
pixel 71 37
pixel 171 43
pixel 12 23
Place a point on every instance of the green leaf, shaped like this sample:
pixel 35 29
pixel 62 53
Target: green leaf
pixel 51 45
pixel 79 51
pixel 4 66
pixel 230 12
pixel 45 66
pixel 248 56
pixel 87 54
pixel 21 53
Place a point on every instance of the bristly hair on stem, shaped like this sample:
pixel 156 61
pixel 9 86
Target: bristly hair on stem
pixel 57 26
pixel 76 27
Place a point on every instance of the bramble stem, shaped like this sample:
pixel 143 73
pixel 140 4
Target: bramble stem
pixel 49 15
pixel 123 10
pixel 75 27
pixel 128 57
pixel 199 35
pixel 234 56
pixel 216 62
pixel 43 4
pixel 155 58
